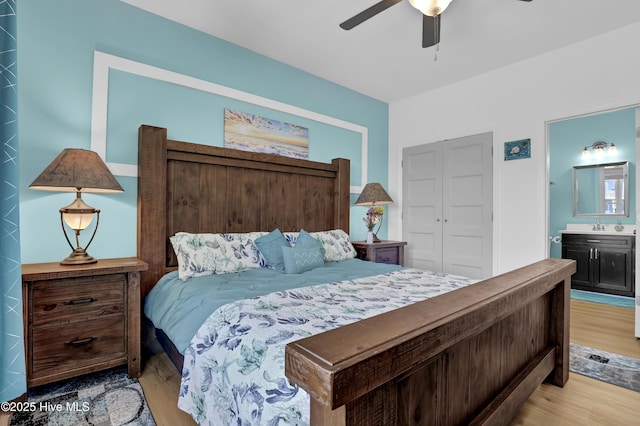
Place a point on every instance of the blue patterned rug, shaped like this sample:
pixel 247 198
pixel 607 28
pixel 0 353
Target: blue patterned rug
pixel 608 299
pixel 108 398
pixel 611 368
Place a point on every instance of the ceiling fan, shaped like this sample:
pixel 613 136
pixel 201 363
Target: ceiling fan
pixel 431 11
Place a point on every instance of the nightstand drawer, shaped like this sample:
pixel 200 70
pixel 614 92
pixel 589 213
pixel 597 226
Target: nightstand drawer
pixel 387 255
pixel 67 300
pixel 391 252
pixel 76 345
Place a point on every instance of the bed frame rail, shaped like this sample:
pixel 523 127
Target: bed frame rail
pixel 471 356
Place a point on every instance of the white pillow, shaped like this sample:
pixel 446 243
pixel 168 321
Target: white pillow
pixel 291 237
pixel 336 244
pixel 206 254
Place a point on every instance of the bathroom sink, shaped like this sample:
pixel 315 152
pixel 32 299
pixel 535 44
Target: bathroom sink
pixel 609 229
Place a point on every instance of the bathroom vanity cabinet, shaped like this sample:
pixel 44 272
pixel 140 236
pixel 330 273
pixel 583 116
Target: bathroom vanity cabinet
pixel 605 262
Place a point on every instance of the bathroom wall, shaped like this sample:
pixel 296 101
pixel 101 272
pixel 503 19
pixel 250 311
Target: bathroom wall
pixel 567 139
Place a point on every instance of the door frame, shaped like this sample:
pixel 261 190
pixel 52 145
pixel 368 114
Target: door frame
pixel 637 191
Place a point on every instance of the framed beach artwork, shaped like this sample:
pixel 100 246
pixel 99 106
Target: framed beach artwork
pixel 248 132
pixel 516 150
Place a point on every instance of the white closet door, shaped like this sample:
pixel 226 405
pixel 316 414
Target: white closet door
pixel 447 206
pixel 467 202
pixel 422 206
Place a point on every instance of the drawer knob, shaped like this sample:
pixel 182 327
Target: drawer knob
pixel 80 342
pixel 80 301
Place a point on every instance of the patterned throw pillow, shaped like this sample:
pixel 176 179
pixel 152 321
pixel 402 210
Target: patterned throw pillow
pixel 291 237
pixel 336 244
pixel 299 259
pixel 206 254
pixel 306 240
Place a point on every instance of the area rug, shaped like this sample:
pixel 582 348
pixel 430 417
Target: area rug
pixel 107 398
pixel 608 299
pixel 605 366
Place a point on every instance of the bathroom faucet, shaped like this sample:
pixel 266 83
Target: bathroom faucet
pixel 597 226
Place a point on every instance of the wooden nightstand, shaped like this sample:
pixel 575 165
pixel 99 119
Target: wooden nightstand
pixel 81 319
pixel 385 251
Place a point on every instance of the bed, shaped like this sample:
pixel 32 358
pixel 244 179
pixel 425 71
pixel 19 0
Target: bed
pixel 469 356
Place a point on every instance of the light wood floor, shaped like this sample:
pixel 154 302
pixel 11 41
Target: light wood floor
pixel 582 401
pixel 585 401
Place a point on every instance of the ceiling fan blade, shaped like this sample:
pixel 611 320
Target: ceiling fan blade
pixel 368 13
pixel 430 30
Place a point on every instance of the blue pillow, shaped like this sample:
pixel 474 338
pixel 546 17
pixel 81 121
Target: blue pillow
pixel 270 246
pixel 305 240
pixel 300 259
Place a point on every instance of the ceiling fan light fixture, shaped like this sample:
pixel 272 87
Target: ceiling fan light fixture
pixel 430 7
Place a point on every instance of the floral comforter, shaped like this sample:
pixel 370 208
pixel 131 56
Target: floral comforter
pixel 233 370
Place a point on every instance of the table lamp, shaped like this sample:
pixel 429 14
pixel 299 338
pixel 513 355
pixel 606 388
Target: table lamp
pixel 77 170
pixel 371 195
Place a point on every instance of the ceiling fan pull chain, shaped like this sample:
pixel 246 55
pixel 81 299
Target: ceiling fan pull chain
pixel 436 36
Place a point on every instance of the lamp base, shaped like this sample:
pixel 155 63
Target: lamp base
pixel 375 238
pixel 79 256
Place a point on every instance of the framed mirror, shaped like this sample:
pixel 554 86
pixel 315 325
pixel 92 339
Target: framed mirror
pixel 601 189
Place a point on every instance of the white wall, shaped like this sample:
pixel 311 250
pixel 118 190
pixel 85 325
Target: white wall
pixel 637 328
pixel 516 102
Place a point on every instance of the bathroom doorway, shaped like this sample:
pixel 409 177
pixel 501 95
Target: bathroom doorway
pixel 566 140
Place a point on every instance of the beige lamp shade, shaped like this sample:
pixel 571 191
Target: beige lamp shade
pixel 77 170
pixel 373 194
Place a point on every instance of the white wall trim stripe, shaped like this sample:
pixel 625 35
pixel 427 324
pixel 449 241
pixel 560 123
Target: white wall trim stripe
pixel 103 62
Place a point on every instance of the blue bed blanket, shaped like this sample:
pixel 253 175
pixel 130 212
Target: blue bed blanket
pixel 233 372
pixel 179 307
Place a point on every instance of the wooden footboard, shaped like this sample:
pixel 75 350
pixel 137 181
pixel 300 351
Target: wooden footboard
pixel 471 356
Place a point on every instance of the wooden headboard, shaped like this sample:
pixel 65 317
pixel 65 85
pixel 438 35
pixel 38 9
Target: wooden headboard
pixel 198 188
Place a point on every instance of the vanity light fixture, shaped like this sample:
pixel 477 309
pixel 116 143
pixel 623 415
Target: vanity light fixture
pixel 598 149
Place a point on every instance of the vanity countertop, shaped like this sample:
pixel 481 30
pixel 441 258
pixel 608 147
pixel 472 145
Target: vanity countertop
pixel 585 228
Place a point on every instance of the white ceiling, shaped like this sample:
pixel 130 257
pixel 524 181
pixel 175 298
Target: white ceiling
pixel 383 57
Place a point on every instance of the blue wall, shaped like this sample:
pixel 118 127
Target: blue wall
pixel 57 41
pixel 566 141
